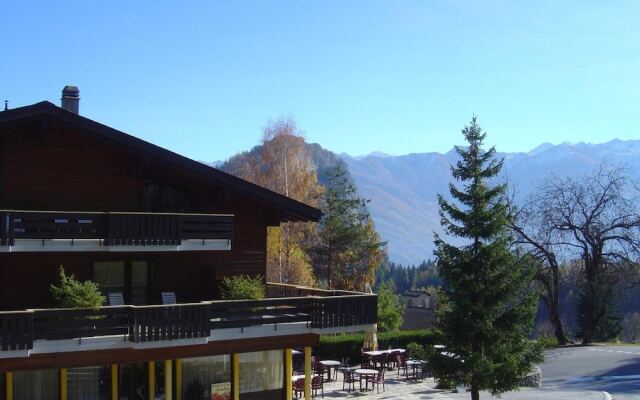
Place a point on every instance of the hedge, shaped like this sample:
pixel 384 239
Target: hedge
pixel 341 346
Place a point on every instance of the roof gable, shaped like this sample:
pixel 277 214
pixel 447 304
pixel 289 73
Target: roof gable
pixel 291 210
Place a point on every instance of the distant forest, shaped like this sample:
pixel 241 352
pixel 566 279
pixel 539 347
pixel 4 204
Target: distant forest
pixel 425 276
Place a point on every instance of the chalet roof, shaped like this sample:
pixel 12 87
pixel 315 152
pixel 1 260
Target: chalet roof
pixel 415 293
pixel 291 210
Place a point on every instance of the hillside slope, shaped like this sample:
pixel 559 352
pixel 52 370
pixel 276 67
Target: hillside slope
pixel 403 189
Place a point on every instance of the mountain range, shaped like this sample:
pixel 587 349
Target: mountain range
pixel 403 189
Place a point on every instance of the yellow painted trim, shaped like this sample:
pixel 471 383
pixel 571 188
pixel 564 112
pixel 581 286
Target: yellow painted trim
pixel 9 385
pixel 168 380
pixel 307 373
pixel 152 379
pixel 288 374
pixel 114 382
pixel 178 379
pixel 63 384
pixel 235 381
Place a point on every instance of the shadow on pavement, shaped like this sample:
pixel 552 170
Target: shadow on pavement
pixel 623 379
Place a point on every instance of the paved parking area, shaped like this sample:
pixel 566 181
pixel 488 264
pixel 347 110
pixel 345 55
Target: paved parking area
pixel 400 388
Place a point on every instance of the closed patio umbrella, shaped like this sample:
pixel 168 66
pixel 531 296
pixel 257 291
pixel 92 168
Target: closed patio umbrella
pixel 371 334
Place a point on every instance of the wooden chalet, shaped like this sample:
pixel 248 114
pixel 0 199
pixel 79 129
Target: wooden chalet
pixel 143 222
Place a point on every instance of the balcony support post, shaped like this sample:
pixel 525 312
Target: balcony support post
pixel 63 384
pixel 307 373
pixel 114 382
pixel 288 373
pixel 178 379
pixel 168 380
pixel 235 381
pixel 9 385
pixel 152 379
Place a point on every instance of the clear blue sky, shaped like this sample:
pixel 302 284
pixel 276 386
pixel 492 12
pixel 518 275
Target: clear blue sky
pixel 202 78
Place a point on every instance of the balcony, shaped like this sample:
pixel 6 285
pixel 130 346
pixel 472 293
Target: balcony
pixel 112 231
pixel 309 311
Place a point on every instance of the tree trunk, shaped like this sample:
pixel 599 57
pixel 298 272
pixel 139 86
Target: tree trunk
pixel 589 307
pixel 475 393
pixel 558 330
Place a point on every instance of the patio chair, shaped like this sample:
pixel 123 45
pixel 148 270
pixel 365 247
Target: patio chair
pixel 377 380
pixel 380 361
pixel 349 380
pixel 317 383
pixel 115 299
pixel 402 365
pixel 168 298
pixel 298 387
pixel 366 358
pixel 392 360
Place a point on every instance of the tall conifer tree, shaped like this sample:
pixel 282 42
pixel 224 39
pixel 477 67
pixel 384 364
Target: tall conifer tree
pixel 488 309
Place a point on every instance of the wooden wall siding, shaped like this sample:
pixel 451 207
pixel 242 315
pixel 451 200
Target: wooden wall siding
pixel 62 172
pixel 106 357
pixel 54 167
pixel 194 276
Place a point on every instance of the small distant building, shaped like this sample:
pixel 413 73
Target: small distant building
pixel 419 310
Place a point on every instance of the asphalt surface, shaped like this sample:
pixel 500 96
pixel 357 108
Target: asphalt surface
pixel 613 369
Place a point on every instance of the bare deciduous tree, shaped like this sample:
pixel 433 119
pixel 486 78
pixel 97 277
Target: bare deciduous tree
pixel 593 219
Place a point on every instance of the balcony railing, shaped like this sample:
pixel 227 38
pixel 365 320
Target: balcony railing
pixel 112 228
pixel 19 329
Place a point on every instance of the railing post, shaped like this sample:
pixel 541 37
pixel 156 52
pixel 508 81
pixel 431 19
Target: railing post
pixel 133 325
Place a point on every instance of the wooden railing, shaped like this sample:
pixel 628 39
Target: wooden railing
pixel 113 228
pixel 18 330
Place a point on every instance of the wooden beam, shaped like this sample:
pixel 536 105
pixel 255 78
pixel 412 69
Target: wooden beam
pixel 127 355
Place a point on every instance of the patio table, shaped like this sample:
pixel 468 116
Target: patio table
pixel 415 365
pixel 364 373
pixel 330 364
pixel 380 352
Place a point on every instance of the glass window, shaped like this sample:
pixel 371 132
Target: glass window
pixel 139 282
pixel 206 378
pixel 89 383
pixel 133 381
pixel 261 371
pixel 109 275
pixel 35 384
pixel 130 278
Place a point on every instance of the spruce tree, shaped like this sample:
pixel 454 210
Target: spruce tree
pixel 487 308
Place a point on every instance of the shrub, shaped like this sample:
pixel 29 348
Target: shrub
pixel 75 294
pixel 341 346
pixel 547 341
pixel 243 287
pixel 417 351
pixel 390 310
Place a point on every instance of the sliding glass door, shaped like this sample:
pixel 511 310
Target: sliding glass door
pixel 128 278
